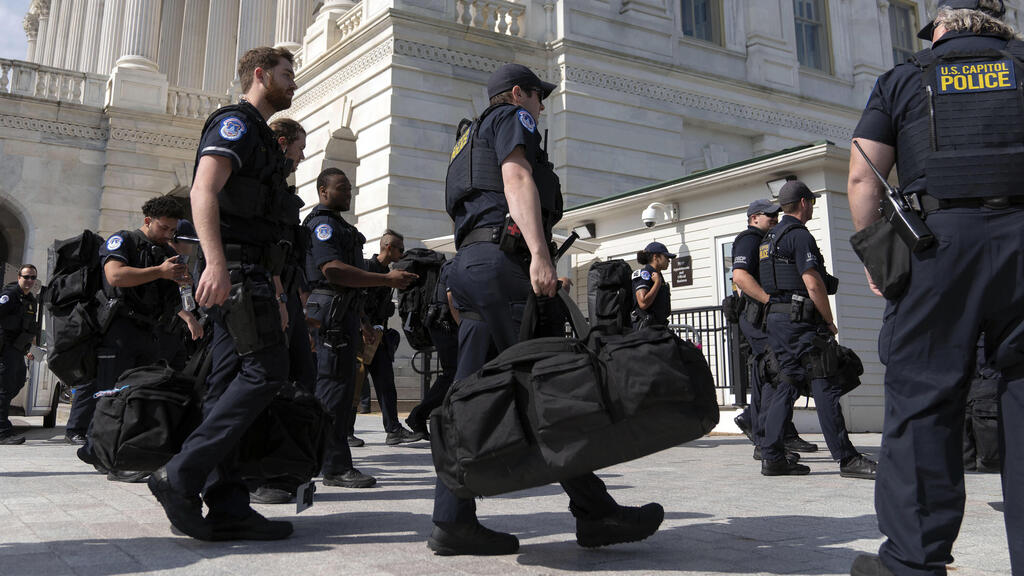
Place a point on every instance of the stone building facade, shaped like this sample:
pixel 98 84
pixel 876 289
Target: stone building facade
pixel 106 108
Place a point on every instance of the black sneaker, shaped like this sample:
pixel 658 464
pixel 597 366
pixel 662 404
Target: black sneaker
pixel 128 476
pixel 798 444
pixel 89 458
pixel 252 527
pixel 350 479
pixel 783 468
pixel 185 512
pixel 402 436
pixel 625 524
pixel 270 495
pixel 860 466
pixel 471 539
pixel 9 438
pixel 417 425
pixel 363 409
pixel 791 456
pixel 869 565
pixel 76 438
pixel 354 442
pixel 744 427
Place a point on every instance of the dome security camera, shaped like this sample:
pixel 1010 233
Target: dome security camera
pixel 649 216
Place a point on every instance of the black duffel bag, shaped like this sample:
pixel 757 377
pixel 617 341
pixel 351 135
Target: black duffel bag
pixel 141 423
pixel 284 447
pixel 551 409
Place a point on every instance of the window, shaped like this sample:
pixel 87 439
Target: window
pixel 702 19
pixel 902 19
pixel 812 34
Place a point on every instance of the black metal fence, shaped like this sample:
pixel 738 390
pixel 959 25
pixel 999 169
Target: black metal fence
pixel 722 345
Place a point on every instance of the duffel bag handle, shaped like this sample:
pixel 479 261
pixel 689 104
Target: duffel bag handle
pixel 531 315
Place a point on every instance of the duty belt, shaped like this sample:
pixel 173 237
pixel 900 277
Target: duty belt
pixel 779 308
pixel 245 253
pixel 931 204
pixel 490 234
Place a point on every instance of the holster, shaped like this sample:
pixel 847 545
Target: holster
pixel 822 361
pixel 326 309
pixel 106 311
pixel 754 312
pixel 251 313
pixel 802 309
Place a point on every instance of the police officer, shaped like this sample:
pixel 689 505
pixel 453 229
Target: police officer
pixel 18 328
pixel 951 119
pixel 377 308
pixel 334 268
pixel 140 274
pixel 444 334
pixel 291 137
pixel 239 194
pixel 653 299
pixel 176 342
pixel 792 272
pixel 510 176
pixel 761 216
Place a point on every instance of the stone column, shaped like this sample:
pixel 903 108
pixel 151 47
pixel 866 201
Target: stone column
pixel 140 41
pixel 193 43
pixel 171 18
pixel 136 83
pixel 31 26
pixel 61 23
pixel 293 17
pixel 255 24
pixel 91 37
pixel 221 42
pixel 43 10
pixel 76 27
pixel 51 32
pixel 110 35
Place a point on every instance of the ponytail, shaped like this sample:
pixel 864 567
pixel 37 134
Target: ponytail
pixel 643 257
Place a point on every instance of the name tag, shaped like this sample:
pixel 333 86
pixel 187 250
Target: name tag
pixel 976 77
pixel 762 252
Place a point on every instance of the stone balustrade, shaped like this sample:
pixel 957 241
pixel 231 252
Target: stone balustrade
pixel 30 79
pixel 497 16
pixel 350 22
pixel 192 103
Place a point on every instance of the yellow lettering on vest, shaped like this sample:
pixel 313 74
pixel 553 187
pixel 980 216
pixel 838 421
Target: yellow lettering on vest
pixel 946 81
pixel 972 83
pixel 960 82
pixel 1004 79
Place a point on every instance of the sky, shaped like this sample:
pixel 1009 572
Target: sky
pixel 13 43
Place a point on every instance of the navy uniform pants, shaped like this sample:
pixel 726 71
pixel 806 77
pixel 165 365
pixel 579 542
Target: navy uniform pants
pixel 382 372
pixel 972 282
pixel 301 364
pixel 239 388
pixel 494 287
pixel 446 346
pixel 335 377
pixel 754 413
pixel 791 341
pixel 12 378
pixel 126 345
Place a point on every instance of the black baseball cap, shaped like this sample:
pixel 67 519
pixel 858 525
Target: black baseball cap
pixel 185 231
pixel 510 75
pixel 762 206
pixel 793 191
pixel 658 248
pixel 926 32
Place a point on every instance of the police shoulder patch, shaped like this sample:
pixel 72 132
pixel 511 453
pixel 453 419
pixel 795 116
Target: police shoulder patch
pixel 114 242
pixel 324 232
pixel 527 121
pixel 232 128
pixel 645 274
pixel 5 299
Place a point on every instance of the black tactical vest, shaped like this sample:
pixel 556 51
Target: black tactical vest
pixel 778 273
pixel 19 329
pixel 153 299
pixel 254 200
pixel 474 166
pixel 754 271
pixel 966 137
pixel 343 230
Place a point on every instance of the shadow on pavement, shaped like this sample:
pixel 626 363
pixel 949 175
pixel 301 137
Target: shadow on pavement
pixel 769 545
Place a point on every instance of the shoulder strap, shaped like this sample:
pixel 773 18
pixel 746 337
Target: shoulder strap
pixel 923 58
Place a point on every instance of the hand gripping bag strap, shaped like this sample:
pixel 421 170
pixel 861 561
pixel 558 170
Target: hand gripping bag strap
pixel 531 316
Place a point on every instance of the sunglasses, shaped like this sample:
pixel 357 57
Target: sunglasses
pixel 28 277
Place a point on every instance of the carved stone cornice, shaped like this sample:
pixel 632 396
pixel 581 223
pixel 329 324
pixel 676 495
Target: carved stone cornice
pixel 153 138
pixel 325 91
pixel 51 127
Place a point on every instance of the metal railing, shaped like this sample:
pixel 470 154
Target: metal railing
pixel 721 344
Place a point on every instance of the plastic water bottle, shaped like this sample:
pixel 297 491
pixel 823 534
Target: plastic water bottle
pixel 188 302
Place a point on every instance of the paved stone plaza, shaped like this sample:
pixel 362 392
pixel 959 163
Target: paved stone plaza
pixel 722 517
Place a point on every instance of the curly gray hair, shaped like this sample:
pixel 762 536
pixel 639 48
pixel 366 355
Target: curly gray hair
pixel 979 21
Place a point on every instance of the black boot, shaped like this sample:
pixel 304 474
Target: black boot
pixel 625 524
pixel 453 539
